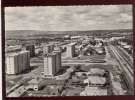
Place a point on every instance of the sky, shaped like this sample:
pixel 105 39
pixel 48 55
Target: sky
pixel 69 18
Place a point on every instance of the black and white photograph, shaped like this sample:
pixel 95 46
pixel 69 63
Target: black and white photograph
pixel 79 50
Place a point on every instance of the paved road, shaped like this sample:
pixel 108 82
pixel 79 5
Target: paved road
pixel 126 69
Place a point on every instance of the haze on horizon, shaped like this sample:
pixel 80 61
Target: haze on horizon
pixel 69 18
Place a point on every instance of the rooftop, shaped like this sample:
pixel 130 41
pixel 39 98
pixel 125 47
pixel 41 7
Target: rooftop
pixel 93 91
pixel 47 44
pixel 18 92
pixel 95 80
pixel 71 44
pixel 16 53
pixel 13 48
pixel 97 71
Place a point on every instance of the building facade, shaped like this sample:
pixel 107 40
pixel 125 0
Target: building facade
pixel 70 50
pixel 17 62
pixel 58 60
pixel 52 64
pixel 31 49
pixel 49 65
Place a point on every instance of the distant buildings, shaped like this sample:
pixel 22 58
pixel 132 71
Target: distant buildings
pixel 17 62
pixel 70 50
pixel 31 49
pixel 76 37
pixel 57 48
pixel 16 48
pixel 48 48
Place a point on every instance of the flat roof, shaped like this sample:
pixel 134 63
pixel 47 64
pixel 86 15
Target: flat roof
pixel 47 44
pixel 12 48
pixel 18 92
pixel 71 44
pixel 94 91
pixel 96 80
pixel 96 71
pixel 16 53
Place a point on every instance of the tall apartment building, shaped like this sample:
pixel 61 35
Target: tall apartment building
pixel 58 60
pixel 17 62
pixel 48 48
pixel 52 63
pixel 70 50
pixel 31 49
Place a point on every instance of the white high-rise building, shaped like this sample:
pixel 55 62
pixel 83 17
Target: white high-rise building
pixel 50 65
pixel 70 50
pixel 17 62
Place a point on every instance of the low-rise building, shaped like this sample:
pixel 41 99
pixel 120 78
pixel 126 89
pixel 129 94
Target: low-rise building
pixel 93 91
pixel 15 48
pixel 36 83
pixel 97 80
pixel 96 71
pixel 48 48
pixel 18 92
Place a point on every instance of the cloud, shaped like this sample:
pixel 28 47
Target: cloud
pixel 68 17
pixel 125 18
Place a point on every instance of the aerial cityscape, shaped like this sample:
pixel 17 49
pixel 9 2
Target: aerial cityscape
pixel 69 51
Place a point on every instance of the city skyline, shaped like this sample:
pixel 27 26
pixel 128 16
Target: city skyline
pixel 69 18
